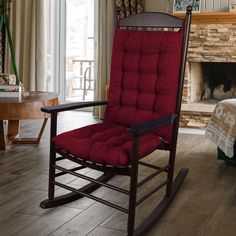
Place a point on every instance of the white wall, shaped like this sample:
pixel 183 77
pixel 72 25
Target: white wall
pixel 206 5
pixel 155 5
pixel 215 5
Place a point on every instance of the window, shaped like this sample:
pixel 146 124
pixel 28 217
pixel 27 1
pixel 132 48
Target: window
pixel 71 49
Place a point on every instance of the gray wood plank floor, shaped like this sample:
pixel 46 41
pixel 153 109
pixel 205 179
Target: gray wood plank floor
pixel 205 205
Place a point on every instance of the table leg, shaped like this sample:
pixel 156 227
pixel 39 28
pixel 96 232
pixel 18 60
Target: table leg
pixel 2 136
pixel 13 128
pixel 13 131
pixel 8 131
pixel 31 140
pixel 42 129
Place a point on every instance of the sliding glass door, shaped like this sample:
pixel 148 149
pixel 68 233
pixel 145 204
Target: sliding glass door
pixel 71 48
pixel 79 84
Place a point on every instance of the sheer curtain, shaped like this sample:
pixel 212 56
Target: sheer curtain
pixel 106 24
pixel 28 19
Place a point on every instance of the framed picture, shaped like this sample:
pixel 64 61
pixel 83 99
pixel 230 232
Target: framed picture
pixel 180 5
pixel 232 5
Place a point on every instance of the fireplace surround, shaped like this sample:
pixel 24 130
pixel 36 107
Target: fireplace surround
pixel 212 41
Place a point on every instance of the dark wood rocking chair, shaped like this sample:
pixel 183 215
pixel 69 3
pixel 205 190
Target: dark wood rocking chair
pixel 142 115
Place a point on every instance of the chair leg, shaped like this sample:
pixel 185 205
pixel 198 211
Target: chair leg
pixel 157 212
pixel 132 200
pixel 133 186
pixel 52 158
pixel 170 174
pixel 51 185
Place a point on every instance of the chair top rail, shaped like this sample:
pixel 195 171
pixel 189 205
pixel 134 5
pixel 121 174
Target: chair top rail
pixel 152 19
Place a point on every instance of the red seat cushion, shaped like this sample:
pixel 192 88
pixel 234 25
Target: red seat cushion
pixel 105 143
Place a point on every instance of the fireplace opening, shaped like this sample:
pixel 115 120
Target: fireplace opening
pixel 206 83
pixel 212 81
pixel 219 80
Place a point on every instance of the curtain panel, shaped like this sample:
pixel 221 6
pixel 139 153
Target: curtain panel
pixel 105 28
pixel 1 46
pixel 129 7
pixel 28 23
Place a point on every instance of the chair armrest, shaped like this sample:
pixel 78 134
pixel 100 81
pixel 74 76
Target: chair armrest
pixel 72 106
pixel 147 126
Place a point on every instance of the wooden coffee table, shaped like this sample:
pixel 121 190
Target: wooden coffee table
pixel 12 110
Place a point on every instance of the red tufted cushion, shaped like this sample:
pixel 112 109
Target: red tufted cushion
pixel 144 77
pixel 143 87
pixel 104 143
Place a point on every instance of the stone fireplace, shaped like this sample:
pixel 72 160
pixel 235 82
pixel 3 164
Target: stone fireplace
pixel 210 71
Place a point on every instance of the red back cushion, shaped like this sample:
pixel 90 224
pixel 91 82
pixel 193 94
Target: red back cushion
pixel 144 77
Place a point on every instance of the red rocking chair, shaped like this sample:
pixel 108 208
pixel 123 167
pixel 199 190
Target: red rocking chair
pixel 142 115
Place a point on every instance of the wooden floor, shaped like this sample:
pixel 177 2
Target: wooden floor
pixel 205 205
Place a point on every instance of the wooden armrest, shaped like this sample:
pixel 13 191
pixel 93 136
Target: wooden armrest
pixel 72 106
pixel 147 126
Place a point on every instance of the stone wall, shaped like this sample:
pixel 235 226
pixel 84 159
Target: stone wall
pixel 212 42
pixel 194 119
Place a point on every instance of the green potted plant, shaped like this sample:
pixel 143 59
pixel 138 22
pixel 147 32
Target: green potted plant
pixel 5 78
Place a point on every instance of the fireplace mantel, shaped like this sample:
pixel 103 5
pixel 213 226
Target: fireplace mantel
pixel 211 17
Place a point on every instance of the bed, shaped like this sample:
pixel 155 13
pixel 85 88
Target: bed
pixel 222 130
